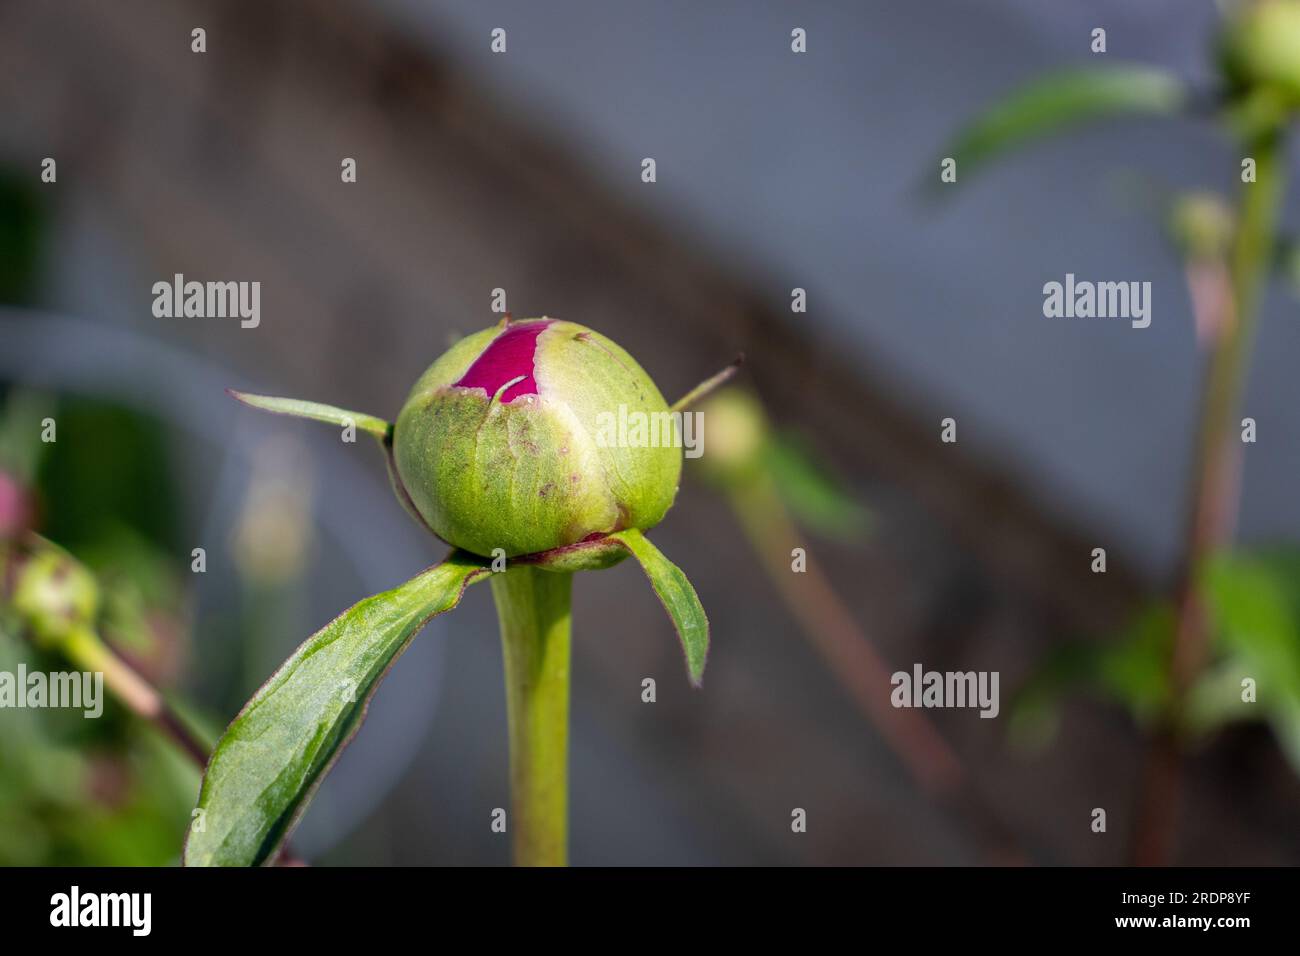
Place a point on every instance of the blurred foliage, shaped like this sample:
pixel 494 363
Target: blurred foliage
pixel 110 470
pixel 1059 102
pixel 1255 93
pixel 745 450
pixel 103 792
pixel 1253 601
pixel 109 791
pixel 816 499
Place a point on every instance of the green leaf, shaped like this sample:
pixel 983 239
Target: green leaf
pixel 1255 605
pixel 1215 698
pixel 1062 100
pixel 272 757
pixel 1253 618
pixel 678 597
pixel 1129 670
pixel 1134 669
pixel 315 411
pixel 815 498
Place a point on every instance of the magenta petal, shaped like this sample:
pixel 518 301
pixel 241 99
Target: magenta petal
pixel 509 357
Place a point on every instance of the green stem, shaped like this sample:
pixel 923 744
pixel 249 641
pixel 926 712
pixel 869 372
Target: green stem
pixel 533 607
pixel 1218 453
pixel 85 649
pixel 1214 497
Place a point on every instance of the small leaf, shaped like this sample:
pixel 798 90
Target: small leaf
pixel 1134 669
pixel 267 765
pixel 1130 670
pixel 315 411
pixel 815 498
pixel 678 597
pixel 1215 698
pixel 1059 101
pixel 1253 618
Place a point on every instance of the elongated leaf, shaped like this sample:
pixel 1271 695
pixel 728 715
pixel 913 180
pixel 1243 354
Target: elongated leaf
pixel 815 498
pixel 1062 100
pixel 272 757
pixel 678 597
pixel 315 411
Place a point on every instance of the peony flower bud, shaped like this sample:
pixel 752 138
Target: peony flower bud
pixel 503 442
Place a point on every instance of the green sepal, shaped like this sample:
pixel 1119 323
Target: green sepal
pixel 678 597
pixel 315 411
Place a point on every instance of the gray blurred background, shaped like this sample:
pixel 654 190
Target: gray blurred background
pixel 522 171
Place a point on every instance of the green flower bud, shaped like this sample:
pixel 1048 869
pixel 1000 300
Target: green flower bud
pixel 1261 49
pixel 55 596
pixel 505 441
pixel 738 436
pixel 1202 225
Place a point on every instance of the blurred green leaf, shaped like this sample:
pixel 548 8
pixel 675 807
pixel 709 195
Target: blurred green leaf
pixel 1130 670
pixel 815 499
pixel 1255 607
pixel 1254 619
pixel 1134 669
pixel 77 792
pixel 275 753
pixel 1253 601
pixel 678 597
pixel 1060 101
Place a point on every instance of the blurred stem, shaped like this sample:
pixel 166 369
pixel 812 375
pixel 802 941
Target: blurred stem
pixel 82 646
pixel 1214 497
pixel 87 651
pixel 853 660
pixel 533 607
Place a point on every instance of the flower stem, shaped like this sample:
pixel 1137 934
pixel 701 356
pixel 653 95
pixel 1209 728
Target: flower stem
pixel 85 649
pixel 533 607
pixel 1213 506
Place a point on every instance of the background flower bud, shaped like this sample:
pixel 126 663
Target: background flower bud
pixel 1261 48
pixel 738 434
pixel 54 595
pixel 497 444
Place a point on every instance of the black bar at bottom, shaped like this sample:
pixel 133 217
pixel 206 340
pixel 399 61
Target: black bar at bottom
pixel 308 906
